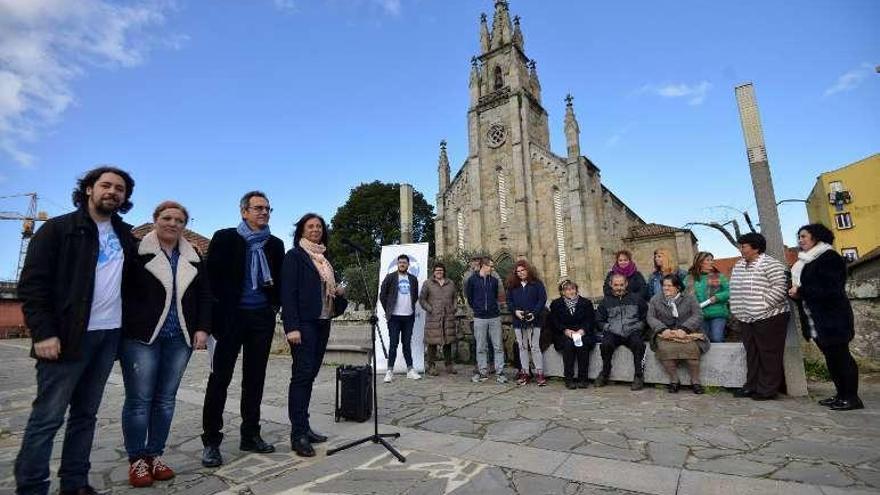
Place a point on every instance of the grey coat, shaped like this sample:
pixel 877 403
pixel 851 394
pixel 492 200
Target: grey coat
pixel 690 318
pixel 439 305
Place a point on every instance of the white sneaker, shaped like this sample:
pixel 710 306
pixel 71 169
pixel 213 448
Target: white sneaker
pixel 413 375
pixel 389 375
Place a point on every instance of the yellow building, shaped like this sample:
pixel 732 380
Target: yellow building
pixel 847 201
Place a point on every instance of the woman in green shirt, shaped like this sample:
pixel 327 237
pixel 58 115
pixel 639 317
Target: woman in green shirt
pixel 712 291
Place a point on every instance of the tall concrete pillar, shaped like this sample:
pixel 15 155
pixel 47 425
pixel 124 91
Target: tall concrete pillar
pixel 406 213
pixel 768 215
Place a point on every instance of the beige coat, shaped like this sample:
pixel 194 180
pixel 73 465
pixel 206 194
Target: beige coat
pixel 439 304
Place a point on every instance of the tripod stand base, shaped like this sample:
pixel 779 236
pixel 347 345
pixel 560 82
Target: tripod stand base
pixel 376 438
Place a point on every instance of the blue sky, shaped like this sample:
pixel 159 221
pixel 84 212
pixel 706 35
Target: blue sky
pixel 202 101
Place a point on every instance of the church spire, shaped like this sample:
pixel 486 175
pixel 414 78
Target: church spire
pixel 517 33
pixel 443 168
pixel 572 131
pixel 484 34
pixel 475 81
pixel 533 77
pixel 501 27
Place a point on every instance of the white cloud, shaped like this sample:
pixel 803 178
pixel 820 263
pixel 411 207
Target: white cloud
pixel 286 5
pixel 391 7
pixel 695 93
pixel 618 135
pixel 46 44
pixel 851 79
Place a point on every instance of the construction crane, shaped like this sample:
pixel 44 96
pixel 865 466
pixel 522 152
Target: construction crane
pixel 28 224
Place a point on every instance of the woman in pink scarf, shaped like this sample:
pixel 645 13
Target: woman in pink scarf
pixel 624 265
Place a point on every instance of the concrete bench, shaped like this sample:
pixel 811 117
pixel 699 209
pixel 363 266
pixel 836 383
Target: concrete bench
pixel 724 365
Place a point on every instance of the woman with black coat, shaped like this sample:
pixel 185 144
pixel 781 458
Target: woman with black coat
pixel 310 297
pixel 574 332
pixel 818 288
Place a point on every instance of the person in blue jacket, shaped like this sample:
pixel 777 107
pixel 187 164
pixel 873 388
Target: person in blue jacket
pixel 481 291
pixel 526 299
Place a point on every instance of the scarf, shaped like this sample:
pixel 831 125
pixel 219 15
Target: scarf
pixel 626 272
pixel 571 304
pixel 670 301
pixel 806 257
pixel 325 269
pixel 257 258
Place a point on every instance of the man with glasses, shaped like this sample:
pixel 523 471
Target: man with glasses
pixel 244 268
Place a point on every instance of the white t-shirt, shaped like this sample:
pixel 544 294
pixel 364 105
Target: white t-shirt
pixel 107 298
pixel 403 305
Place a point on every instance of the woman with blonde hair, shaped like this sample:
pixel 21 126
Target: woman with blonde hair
pixel 664 264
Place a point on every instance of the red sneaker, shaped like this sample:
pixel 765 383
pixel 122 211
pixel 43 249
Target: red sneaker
pixel 160 470
pixel 541 381
pixel 522 378
pixel 139 474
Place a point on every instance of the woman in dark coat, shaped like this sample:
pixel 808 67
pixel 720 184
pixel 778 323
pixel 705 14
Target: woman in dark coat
pixel 574 332
pixel 310 297
pixel 624 265
pixel 818 280
pixel 677 325
pixel 437 298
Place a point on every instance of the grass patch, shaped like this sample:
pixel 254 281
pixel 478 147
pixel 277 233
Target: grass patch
pixel 816 369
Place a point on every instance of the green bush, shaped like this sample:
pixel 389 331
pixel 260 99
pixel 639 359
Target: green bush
pixel 816 369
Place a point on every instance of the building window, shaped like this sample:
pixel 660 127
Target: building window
pixel 843 220
pixel 850 254
pixel 560 232
pixel 460 230
pixel 836 186
pixel 499 79
pixel 502 195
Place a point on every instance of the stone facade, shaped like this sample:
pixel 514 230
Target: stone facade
pixel 513 197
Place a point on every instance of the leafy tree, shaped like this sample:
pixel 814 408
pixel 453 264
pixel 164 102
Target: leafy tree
pixel 370 218
pixel 355 280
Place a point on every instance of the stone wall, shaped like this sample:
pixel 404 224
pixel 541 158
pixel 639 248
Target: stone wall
pixel 864 294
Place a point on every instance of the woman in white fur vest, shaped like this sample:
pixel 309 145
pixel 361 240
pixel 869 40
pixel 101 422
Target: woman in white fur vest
pixel 167 312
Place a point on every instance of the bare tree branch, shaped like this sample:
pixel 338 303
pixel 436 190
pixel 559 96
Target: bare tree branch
pixel 719 227
pixel 749 221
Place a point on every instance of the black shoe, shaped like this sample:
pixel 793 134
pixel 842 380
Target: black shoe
pixel 672 388
pixel 211 456
pixel 256 444
pixel 302 447
pixel 569 384
pixel 698 389
pixel 315 437
pixel 602 380
pixel 742 393
pixel 757 396
pixel 847 405
pixel 829 401
pixel 83 490
pixel 638 383
pixel 583 383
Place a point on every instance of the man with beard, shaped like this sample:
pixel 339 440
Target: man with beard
pixel 71 290
pixel 244 269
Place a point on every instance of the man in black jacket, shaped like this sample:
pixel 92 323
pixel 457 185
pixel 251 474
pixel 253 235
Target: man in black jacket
pixel 621 319
pixel 398 295
pixel 71 290
pixel 244 270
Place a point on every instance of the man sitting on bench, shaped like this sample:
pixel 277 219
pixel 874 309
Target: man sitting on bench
pixel 621 318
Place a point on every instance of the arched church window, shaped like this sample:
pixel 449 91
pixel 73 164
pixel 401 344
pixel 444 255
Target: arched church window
pixel 499 79
pixel 502 195
pixel 460 229
pixel 560 232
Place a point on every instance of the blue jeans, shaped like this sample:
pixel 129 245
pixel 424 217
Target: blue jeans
pixel 152 374
pixel 79 384
pixel 714 329
pixel 397 326
pixel 307 358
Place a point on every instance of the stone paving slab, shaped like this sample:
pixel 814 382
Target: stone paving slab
pixel 488 438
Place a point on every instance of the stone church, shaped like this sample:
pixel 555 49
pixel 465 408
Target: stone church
pixel 513 197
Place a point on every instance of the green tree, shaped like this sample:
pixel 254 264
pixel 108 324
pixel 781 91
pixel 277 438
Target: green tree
pixel 355 291
pixel 371 218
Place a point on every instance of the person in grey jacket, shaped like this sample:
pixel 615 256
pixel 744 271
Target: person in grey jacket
pixel 621 318
pixel 676 322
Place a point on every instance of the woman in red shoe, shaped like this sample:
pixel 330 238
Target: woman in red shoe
pixel 167 313
pixel 526 299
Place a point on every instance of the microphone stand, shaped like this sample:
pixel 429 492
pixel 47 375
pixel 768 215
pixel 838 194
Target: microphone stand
pixel 376 437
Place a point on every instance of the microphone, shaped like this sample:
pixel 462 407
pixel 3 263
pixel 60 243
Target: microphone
pixel 355 247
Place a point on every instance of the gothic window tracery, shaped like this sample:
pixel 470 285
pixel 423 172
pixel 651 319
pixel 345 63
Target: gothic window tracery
pixel 499 79
pixel 502 195
pixel 459 221
pixel 560 232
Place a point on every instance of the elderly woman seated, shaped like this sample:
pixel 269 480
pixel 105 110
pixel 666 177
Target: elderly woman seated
pixel 676 321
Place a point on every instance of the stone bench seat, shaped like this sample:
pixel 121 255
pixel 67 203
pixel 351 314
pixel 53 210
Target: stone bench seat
pixel 724 366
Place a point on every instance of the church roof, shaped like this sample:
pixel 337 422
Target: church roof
pixel 198 241
pixel 653 230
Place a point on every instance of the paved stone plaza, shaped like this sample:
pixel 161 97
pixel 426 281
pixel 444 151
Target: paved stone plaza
pixel 464 438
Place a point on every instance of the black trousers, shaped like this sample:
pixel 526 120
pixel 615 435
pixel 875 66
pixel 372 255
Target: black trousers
pixel 251 332
pixel 572 354
pixel 634 342
pixel 843 368
pixel 307 358
pixel 764 341
pixel 400 326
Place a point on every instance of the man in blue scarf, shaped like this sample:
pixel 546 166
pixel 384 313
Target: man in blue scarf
pixel 244 267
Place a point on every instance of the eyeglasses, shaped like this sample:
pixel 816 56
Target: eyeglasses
pixel 260 208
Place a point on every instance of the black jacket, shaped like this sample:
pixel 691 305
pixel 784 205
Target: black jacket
pixel 58 278
pixel 822 290
pixel 301 296
pixel 226 259
pixel 622 316
pixel 482 295
pixel 635 284
pixel 388 292
pixel 148 292
pixel 583 318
